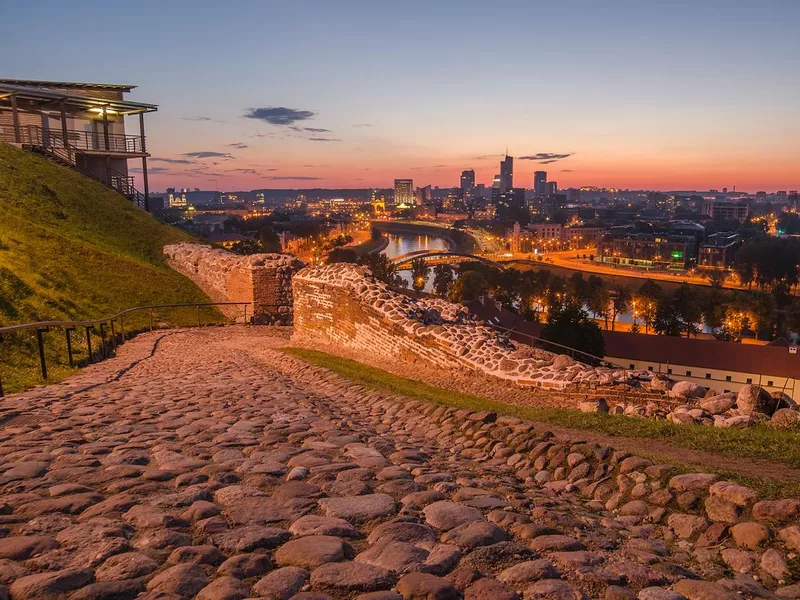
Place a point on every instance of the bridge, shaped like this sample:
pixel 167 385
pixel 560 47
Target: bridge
pixel 439 257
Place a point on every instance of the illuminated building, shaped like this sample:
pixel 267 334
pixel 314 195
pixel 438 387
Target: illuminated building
pixel 404 192
pixel 726 210
pixel 506 174
pixel 540 184
pixel 80 124
pixel 467 184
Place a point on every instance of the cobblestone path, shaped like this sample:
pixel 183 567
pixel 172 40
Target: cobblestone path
pixel 209 464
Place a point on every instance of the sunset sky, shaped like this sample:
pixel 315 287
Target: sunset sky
pixel 628 93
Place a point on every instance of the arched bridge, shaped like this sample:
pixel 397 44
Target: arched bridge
pixel 439 257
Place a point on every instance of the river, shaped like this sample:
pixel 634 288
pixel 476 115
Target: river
pixel 404 243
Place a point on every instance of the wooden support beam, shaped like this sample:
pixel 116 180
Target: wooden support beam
pixel 105 127
pixel 15 116
pixel 144 164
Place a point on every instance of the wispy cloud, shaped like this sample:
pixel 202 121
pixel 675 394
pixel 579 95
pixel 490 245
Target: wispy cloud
pixel 278 115
pixel 207 154
pixel 293 178
pixel 363 125
pixel 173 161
pixel 546 158
pixel 196 119
pixel 151 170
pixel 238 146
pixel 488 156
pixel 323 139
pixel 312 129
pixel 244 171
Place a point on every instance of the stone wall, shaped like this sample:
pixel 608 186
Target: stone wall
pixel 262 280
pixel 344 305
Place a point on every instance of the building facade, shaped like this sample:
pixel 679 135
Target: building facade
pixel 80 124
pixel 404 192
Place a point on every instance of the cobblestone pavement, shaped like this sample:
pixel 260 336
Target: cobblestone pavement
pixel 208 464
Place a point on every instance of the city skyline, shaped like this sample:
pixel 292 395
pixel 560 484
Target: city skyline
pixel 675 97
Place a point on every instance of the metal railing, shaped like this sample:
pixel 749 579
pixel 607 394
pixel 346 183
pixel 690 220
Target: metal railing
pixel 574 353
pixel 111 330
pixel 81 141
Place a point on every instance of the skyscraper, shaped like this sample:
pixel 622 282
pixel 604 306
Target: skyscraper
pixel 467 184
pixel 506 174
pixel 552 188
pixel 404 192
pixel 540 184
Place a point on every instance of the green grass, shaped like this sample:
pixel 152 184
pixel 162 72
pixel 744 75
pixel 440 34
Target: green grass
pixel 72 249
pixel 757 442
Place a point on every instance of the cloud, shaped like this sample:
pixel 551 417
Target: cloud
pixel 173 161
pixel 244 171
pixel 196 119
pixel 322 139
pixel 363 125
pixel 278 115
pixel 488 156
pixel 238 145
pixel 546 158
pixel 567 171
pixel 293 178
pixel 431 167
pixel 311 129
pixel 151 170
pixel 207 154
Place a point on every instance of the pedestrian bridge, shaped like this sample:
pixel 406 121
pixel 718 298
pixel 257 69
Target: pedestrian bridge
pixel 439 257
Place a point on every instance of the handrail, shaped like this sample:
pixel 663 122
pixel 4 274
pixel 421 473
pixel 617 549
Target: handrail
pixel 598 359
pixel 41 327
pixel 91 323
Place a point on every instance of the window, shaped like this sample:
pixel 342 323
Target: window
pixel 649 367
pixel 770 383
pixel 688 373
pixel 727 378
pixel 632 366
pixel 749 380
pixel 708 375
pixel 669 371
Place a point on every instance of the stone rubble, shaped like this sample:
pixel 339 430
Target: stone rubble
pixel 220 467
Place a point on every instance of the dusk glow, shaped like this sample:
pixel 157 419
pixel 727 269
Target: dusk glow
pixel 683 95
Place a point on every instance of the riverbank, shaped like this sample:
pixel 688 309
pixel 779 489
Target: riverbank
pixel 459 241
pixel 371 246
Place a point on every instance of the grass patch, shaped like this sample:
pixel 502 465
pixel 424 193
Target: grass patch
pixel 756 442
pixel 72 249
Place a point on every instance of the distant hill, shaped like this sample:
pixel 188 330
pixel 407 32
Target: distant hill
pixel 70 249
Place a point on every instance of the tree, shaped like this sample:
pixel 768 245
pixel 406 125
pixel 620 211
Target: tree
pixel 270 242
pixel 789 223
pixel 442 279
pixel 246 247
pixel 598 297
pixel 715 277
pixel 687 305
pixel 620 303
pixel 793 316
pixel 343 255
pixel 646 301
pixel 468 286
pixel 383 269
pixel 713 304
pixel 572 327
pixel 419 273
pixel 667 321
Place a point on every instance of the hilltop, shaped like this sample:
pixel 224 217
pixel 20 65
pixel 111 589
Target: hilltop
pixel 70 249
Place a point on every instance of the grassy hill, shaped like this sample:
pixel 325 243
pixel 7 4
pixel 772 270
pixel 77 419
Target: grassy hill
pixel 72 249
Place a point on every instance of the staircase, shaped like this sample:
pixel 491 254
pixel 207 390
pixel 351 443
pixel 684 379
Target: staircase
pixel 56 148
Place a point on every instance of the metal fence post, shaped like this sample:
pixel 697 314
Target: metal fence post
pixel 68 331
pixel 40 342
pixel 113 335
pixel 198 315
pixel 89 343
pixel 151 320
pixel 122 328
pixel 103 340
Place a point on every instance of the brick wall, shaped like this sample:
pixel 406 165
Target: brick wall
pixel 261 280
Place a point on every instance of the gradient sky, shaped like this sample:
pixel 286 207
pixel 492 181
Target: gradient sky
pixel 641 94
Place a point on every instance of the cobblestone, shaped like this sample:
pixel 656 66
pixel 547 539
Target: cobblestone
pixel 208 464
